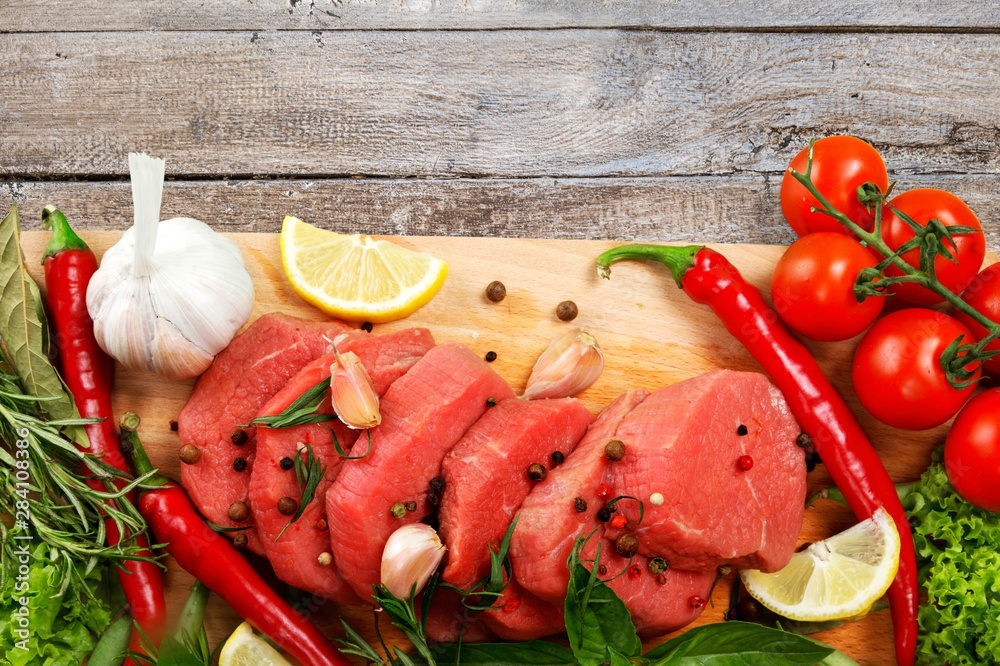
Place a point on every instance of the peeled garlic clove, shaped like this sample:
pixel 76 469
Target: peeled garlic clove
pixel 355 401
pixel 570 365
pixel 411 556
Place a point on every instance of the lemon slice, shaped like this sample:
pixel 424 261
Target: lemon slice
pixel 245 648
pixel 834 579
pixel 355 277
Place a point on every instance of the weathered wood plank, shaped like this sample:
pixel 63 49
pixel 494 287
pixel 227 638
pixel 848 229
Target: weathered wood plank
pixel 91 15
pixel 497 103
pixel 736 209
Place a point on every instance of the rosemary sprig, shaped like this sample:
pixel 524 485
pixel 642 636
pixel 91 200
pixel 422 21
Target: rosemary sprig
pixel 56 493
pixel 932 240
pixel 309 472
pixel 303 410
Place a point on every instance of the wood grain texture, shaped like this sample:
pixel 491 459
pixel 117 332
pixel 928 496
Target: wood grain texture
pixel 651 333
pixel 582 103
pixel 91 15
pixel 733 209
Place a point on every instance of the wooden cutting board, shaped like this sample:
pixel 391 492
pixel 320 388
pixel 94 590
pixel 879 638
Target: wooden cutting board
pixel 651 333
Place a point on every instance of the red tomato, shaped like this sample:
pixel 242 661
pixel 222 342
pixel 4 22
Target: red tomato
pixel 841 164
pixel 983 293
pixel 813 287
pixel 923 205
pixel 972 451
pixel 897 371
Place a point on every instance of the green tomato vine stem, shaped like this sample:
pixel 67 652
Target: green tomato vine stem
pixel 873 239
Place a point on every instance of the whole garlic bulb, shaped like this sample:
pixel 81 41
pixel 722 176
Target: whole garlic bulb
pixel 169 295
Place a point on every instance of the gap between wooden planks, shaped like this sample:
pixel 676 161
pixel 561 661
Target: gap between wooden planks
pixel 651 333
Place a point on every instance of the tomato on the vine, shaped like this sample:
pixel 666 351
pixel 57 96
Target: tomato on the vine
pixel 813 287
pixel 983 293
pixel 897 371
pixel 923 205
pixel 972 451
pixel 840 165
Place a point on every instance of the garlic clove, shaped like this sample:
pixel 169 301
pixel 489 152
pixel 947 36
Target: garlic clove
pixel 410 557
pixel 569 365
pixel 355 400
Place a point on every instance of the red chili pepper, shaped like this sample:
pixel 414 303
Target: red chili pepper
pixel 212 559
pixel 708 278
pixel 89 374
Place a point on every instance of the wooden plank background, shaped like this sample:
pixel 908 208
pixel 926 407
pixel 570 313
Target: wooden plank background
pixel 654 121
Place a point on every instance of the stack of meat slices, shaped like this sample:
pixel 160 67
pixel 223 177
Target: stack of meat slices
pixel 668 485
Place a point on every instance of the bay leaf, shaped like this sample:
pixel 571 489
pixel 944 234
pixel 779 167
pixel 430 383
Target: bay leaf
pixel 23 329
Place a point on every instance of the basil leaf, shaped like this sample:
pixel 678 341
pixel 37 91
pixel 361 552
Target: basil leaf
pixel 174 653
pixel 530 653
pixel 597 621
pixel 23 329
pixel 737 644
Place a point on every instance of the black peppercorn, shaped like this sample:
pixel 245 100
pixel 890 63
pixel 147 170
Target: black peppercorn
pixel 491 356
pixel 436 484
pixel 491 402
pixel 567 311
pixel 580 504
pixel 286 463
pixel 558 458
pixel 173 425
pixel 742 430
pixel 603 514
pixel 240 541
pixel 367 327
pixel 410 506
pixel 240 465
pixel 239 437
pixel 803 441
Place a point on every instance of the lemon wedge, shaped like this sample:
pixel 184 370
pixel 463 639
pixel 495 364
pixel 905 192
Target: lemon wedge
pixel 834 579
pixel 356 277
pixel 245 648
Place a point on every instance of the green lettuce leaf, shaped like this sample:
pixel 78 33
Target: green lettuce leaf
pixel 959 564
pixel 60 628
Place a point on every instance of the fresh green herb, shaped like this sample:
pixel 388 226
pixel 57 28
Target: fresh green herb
pixel 958 552
pixel 23 328
pixel 737 644
pixel 112 646
pixel 403 615
pixel 304 410
pixel 597 621
pixel 309 472
pixel 52 610
pixel 486 592
pixel 344 454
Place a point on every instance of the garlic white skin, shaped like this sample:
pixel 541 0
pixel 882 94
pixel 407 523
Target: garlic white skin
pixel 411 556
pixel 169 295
pixel 569 365
pixel 355 401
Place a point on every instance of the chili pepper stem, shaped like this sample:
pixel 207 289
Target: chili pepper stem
pixel 132 447
pixel 63 237
pixel 677 258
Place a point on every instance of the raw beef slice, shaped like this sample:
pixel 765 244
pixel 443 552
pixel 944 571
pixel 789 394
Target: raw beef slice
pixel 476 509
pixel 300 557
pixel 424 414
pixel 548 522
pixel 684 443
pixel 243 377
